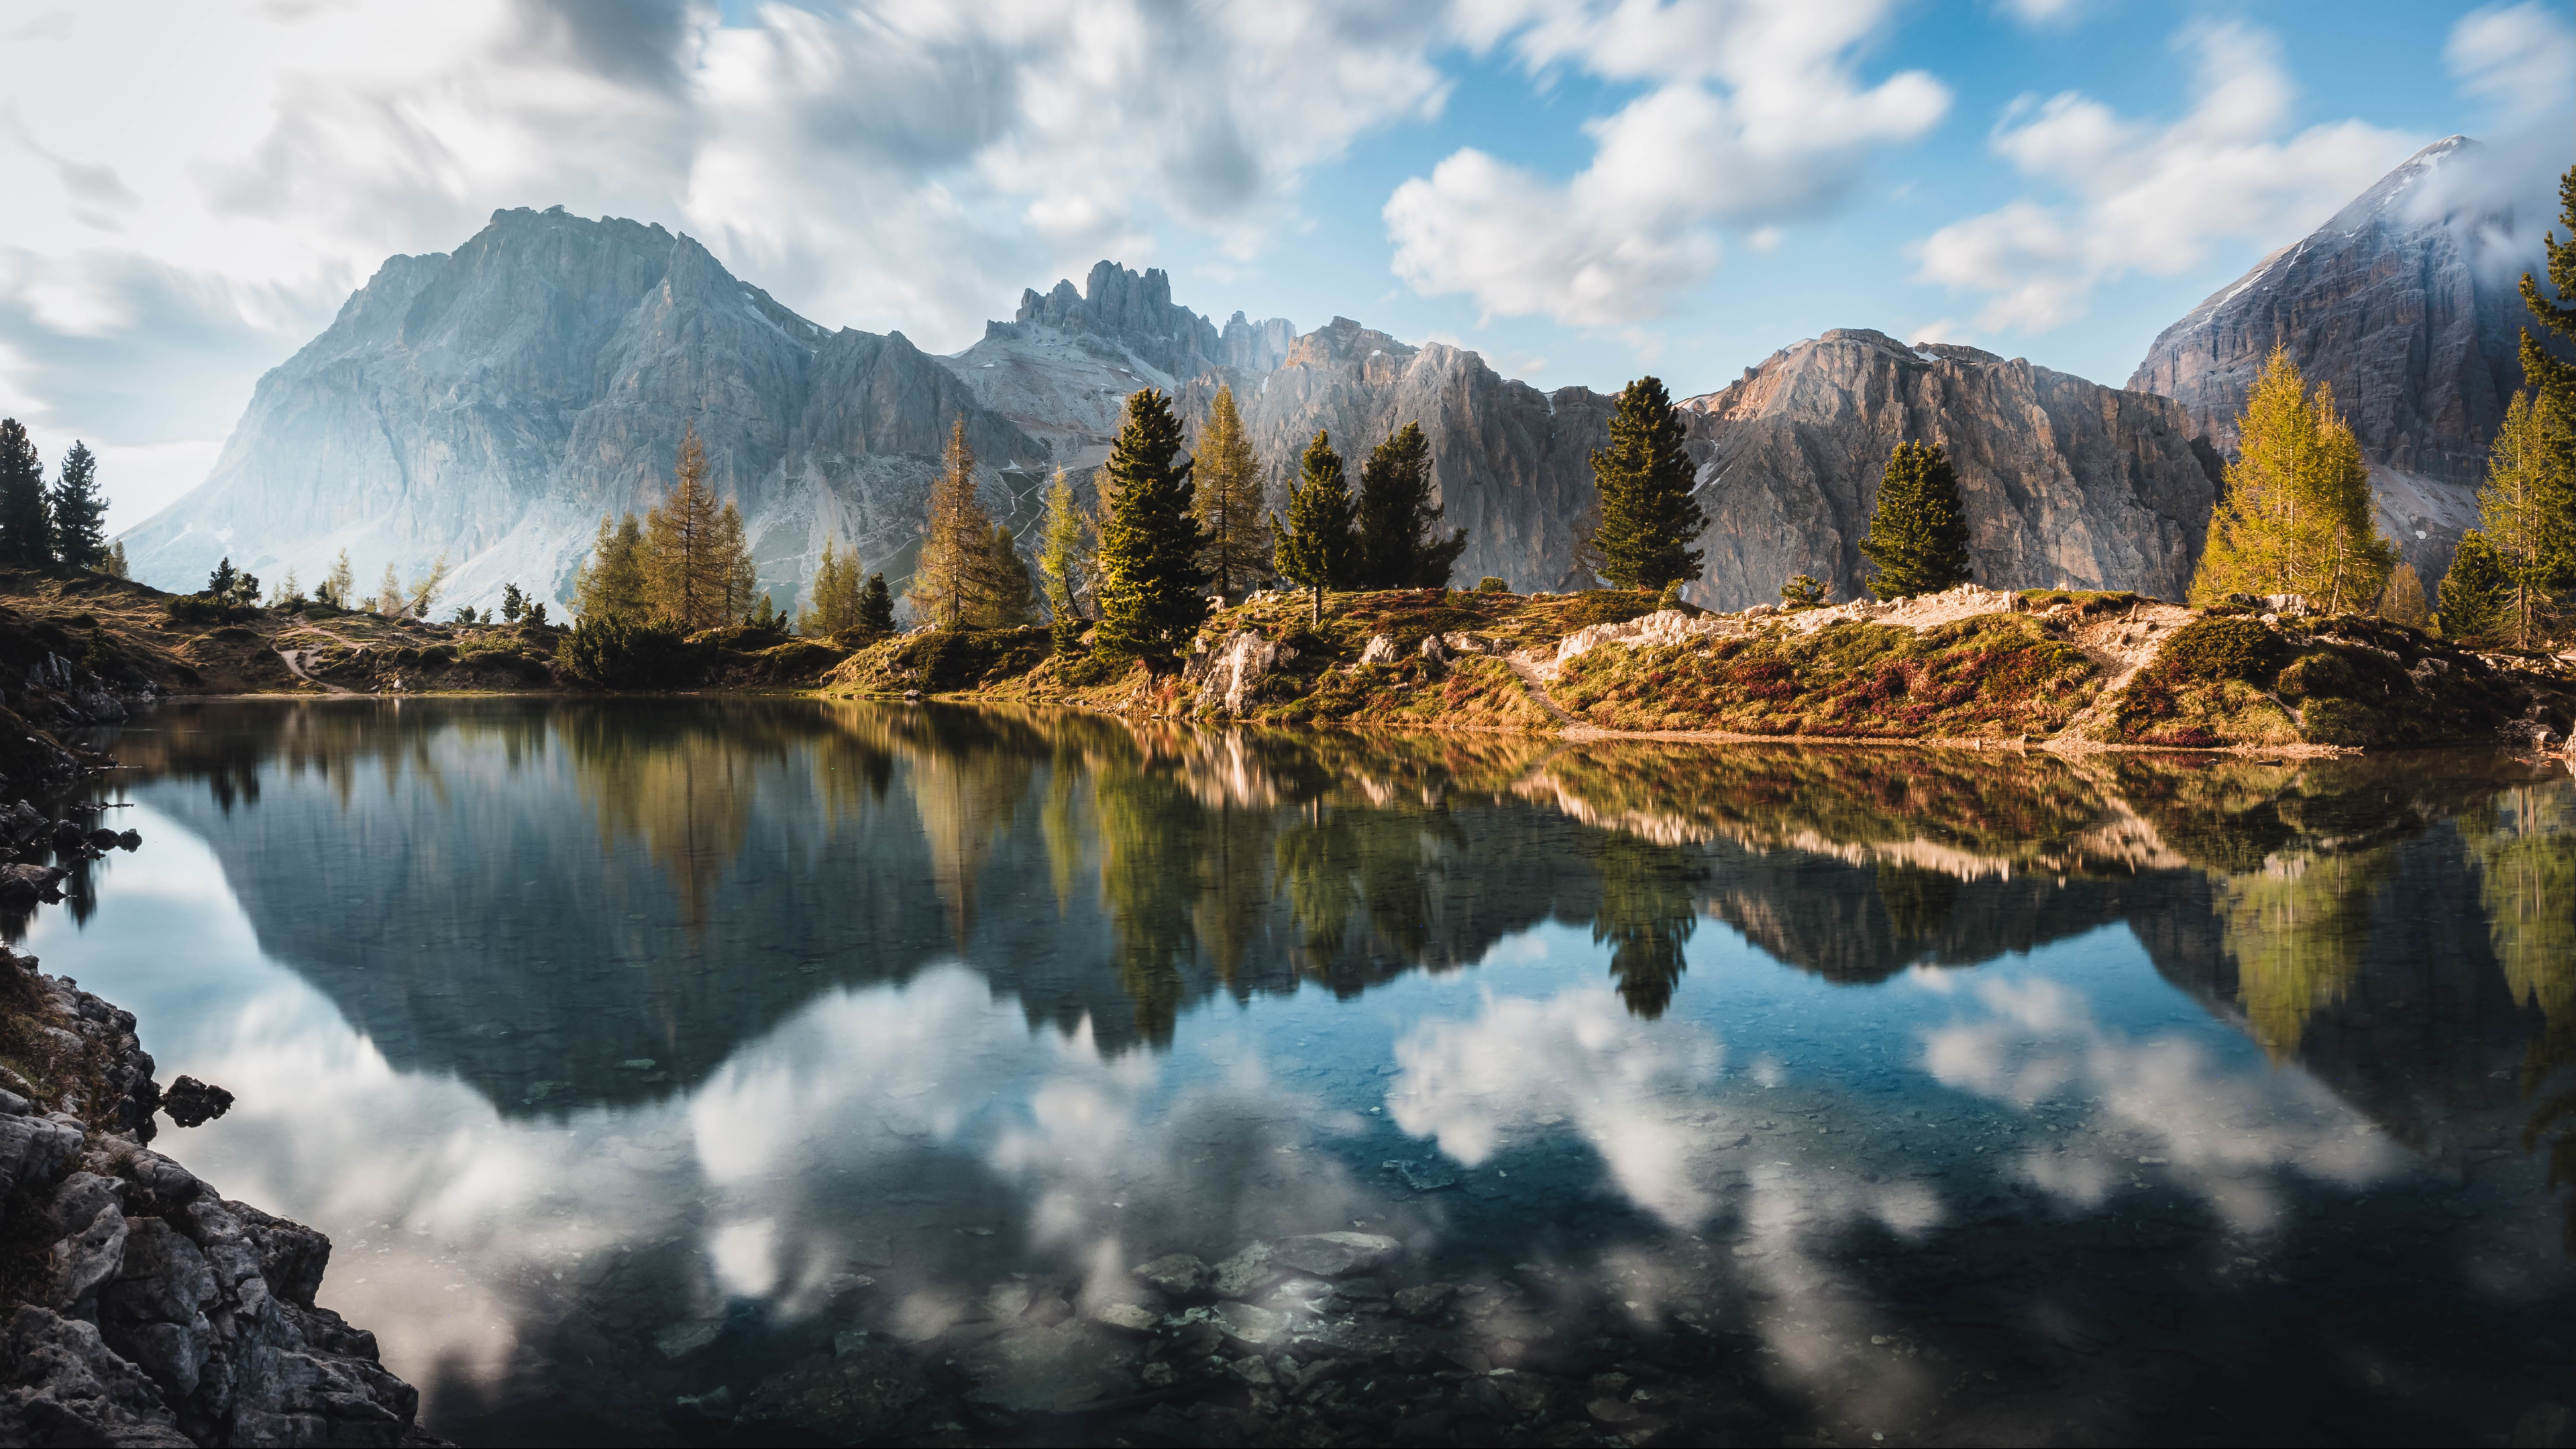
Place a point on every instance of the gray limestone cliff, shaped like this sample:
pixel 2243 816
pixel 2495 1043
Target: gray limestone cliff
pixel 2067 483
pixel 2405 303
pixel 492 404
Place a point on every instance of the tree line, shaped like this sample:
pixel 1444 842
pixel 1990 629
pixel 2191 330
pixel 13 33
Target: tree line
pixel 64 522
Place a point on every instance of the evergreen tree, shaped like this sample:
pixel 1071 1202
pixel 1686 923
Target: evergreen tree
pixel 742 576
pixel 1395 520
pixel 1316 548
pixel 288 596
pixel 335 589
pixel 1918 535
pixel 1803 591
pixel 2521 514
pixel 2555 382
pixel 1228 503
pixel 513 603
pixel 1010 594
pixel 693 552
pixel 1064 561
pixel 1648 518
pixel 536 615
pixel 2296 515
pixel 219 583
pixel 1151 586
pixel 876 606
pixel 2476 592
pixel 948 581
pixel 613 580
pixel 26 540
pixel 836 594
pixel 79 510
pixel 114 564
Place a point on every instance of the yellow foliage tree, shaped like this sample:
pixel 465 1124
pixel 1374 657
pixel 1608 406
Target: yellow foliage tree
pixel 2296 514
pixel 2518 513
pixel 949 582
pixel 696 571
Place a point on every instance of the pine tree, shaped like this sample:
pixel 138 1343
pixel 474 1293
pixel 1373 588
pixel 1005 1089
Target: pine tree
pixel 219 583
pixel 1649 518
pixel 1396 522
pixel 1010 595
pixel 2476 592
pixel 2555 382
pixel 1316 546
pixel 2296 515
pixel 2521 515
pixel 836 595
pixel 336 586
pixel 946 582
pixel 79 510
pixel 1228 505
pixel 1151 586
pixel 1918 535
pixel 25 538
pixel 876 606
pixel 114 564
pixel 693 548
pixel 1064 561
pixel 513 603
pixel 612 582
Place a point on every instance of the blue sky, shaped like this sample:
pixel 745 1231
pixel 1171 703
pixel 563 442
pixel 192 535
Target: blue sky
pixel 1580 189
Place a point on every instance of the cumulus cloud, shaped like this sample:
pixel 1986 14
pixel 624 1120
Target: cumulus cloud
pixel 2126 196
pixel 1757 113
pixel 193 198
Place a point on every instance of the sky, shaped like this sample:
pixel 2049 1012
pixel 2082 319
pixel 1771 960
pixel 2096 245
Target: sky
pixel 1581 190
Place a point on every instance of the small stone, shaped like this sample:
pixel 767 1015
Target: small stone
pixel 1426 1301
pixel 683 1339
pixel 1175 1275
pixel 1246 1273
pixel 1337 1255
pixel 1252 1371
pixel 1251 1326
pixel 1611 1411
pixel 1131 1317
pixel 1159 1375
pixel 1007 1301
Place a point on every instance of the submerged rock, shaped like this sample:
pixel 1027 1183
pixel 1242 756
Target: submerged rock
pixel 1337 1255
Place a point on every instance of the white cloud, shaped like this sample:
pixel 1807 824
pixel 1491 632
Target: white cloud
pixel 2136 197
pixel 1757 115
pixel 2521 59
pixel 194 193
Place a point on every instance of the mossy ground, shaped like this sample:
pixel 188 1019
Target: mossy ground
pixel 1998 676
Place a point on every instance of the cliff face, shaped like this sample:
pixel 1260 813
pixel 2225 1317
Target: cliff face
pixel 2407 307
pixel 2067 483
pixel 492 404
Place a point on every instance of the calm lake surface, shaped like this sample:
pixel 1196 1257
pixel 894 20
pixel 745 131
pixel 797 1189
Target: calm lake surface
pixel 630 1052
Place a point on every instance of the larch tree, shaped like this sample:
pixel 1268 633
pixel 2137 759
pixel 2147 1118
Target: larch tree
pixel 1010 595
pixel 389 593
pixel 1152 589
pixel 2404 602
pixel 337 586
pixel 424 589
pixel 836 594
pixel 1918 533
pixel 2522 513
pixel 1395 521
pixel 26 539
pixel 2295 516
pixel 948 583
pixel 1065 560
pixel 1648 516
pixel 1227 504
pixel 612 583
pixel 114 565
pixel 693 547
pixel 79 510
pixel 1316 548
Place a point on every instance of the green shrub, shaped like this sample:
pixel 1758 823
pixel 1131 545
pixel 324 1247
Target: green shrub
pixel 1491 585
pixel 613 652
pixel 204 609
pixel 2216 649
pixel 946 659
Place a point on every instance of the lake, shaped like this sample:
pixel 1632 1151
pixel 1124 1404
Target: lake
pixel 647 1059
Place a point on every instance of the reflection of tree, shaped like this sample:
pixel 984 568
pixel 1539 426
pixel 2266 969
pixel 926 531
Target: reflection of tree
pixel 1344 864
pixel 1918 901
pixel 678 787
pixel 1647 913
pixel 1148 875
pixel 2524 844
pixel 2296 928
pixel 967 783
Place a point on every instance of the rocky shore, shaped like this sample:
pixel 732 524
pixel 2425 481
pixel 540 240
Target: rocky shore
pixel 137 1304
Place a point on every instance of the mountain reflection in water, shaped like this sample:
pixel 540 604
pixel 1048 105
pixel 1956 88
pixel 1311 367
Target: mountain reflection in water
pixel 626 1015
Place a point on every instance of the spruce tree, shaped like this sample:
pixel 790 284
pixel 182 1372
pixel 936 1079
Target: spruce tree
pixel 1316 548
pixel 1397 523
pixel 2476 592
pixel 114 564
pixel 1648 518
pixel 1918 535
pixel 25 538
pixel 876 606
pixel 1227 475
pixel 1152 590
pixel 2554 381
pixel 2296 515
pixel 513 603
pixel 79 510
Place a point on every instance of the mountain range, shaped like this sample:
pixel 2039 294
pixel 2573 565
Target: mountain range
pixel 491 404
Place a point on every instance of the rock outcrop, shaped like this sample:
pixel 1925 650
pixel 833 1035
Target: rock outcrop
pixel 2068 483
pixel 2404 302
pixel 156 1312
pixel 491 404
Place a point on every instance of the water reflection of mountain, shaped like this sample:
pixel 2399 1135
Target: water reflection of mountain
pixel 536 895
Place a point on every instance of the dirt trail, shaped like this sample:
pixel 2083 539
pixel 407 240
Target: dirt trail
pixel 1531 680
pixel 2119 646
pixel 295 659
